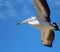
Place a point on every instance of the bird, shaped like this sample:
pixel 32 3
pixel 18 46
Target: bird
pixel 42 21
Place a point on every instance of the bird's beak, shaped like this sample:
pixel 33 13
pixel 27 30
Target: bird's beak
pixel 25 21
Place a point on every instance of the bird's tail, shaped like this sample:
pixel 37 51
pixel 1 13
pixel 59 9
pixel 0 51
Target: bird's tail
pixel 56 26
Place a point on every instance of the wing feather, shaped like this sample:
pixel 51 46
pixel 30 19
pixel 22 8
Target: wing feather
pixel 42 10
pixel 48 37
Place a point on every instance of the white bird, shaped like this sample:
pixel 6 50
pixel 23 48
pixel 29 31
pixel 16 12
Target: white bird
pixel 43 22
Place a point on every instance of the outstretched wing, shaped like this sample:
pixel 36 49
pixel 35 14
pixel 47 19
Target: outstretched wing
pixel 47 37
pixel 42 10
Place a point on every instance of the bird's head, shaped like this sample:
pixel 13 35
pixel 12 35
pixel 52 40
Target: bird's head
pixel 27 20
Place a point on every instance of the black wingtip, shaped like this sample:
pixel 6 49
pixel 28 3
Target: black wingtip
pixel 17 23
pixel 48 45
pixel 56 26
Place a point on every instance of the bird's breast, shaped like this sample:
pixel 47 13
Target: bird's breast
pixel 34 23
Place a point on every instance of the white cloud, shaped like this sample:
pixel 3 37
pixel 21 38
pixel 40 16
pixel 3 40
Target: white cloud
pixel 26 11
pixel 10 11
pixel 57 2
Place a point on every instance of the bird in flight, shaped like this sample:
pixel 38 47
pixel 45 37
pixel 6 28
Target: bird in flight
pixel 43 22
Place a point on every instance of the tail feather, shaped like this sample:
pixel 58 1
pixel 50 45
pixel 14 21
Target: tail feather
pixel 55 25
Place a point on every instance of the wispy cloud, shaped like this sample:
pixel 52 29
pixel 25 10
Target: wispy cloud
pixel 8 8
pixel 57 2
pixel 26 10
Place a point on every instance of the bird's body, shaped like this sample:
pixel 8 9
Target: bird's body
pixel 43 22
pixel 40 24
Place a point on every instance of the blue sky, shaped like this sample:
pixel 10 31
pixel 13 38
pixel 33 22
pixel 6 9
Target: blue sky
pixel 25 38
